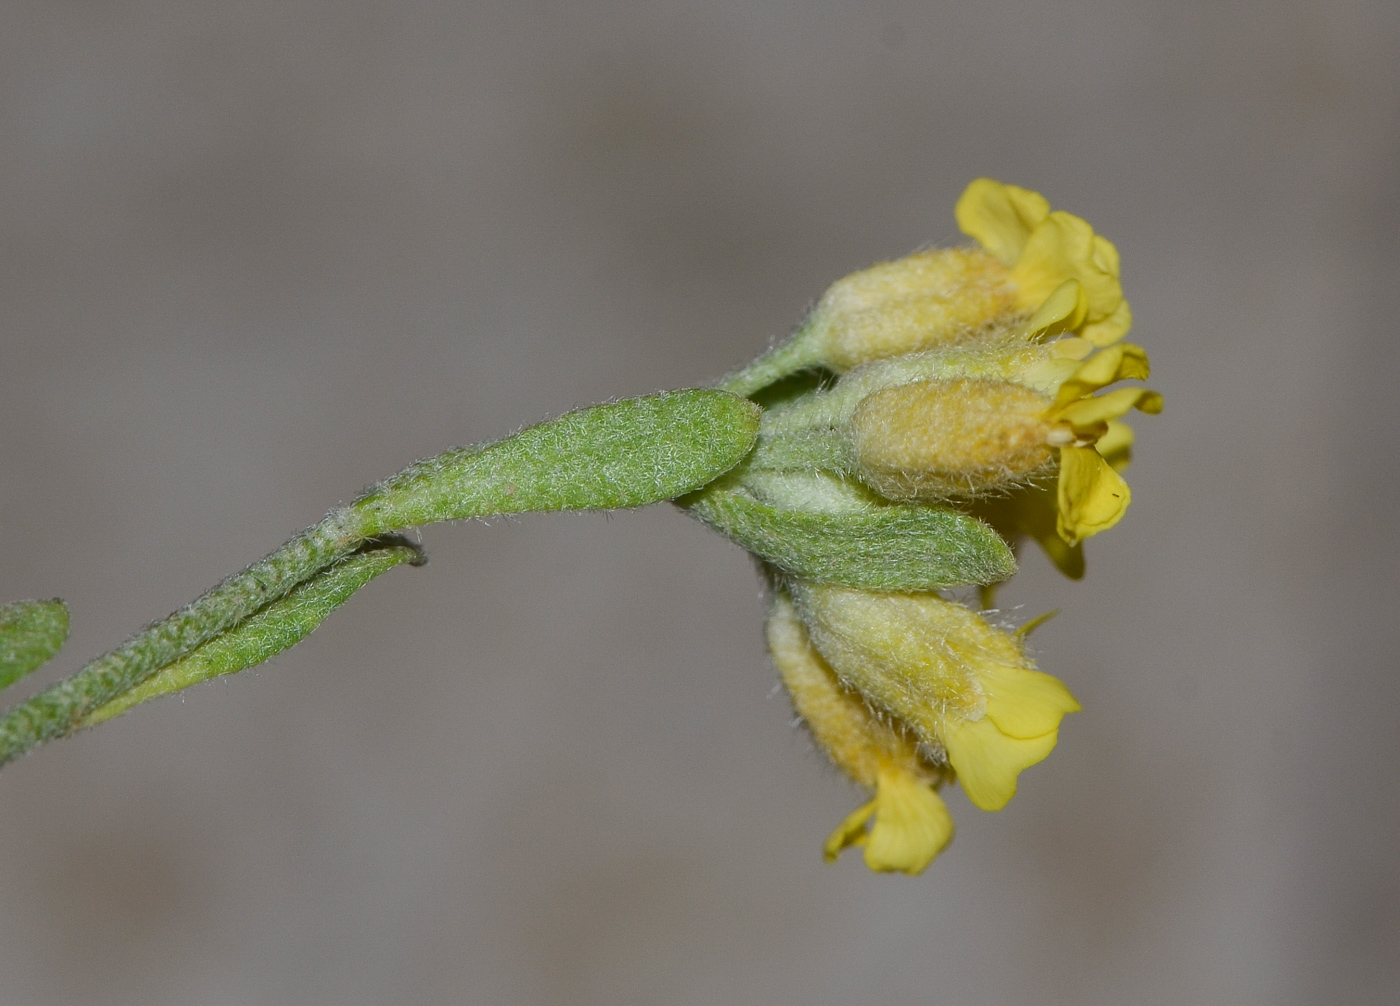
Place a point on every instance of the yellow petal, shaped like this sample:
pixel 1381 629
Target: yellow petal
pixel 1000 217
pixel 1063 311
pixel 1101 408
pixel 1026 704
pixel 1071 348
pixel 1063 247
pixel 912 825
pixel 1110 329
pixel 987 761
pixel 1105 255
pixel 1116 445
pixel 849 832
pixel 1123 362
pixel 1092 497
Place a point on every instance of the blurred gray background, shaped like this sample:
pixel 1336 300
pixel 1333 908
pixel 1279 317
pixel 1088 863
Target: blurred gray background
pixel 254 256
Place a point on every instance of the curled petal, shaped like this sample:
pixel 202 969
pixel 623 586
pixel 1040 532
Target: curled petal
pixel 849 832
pixel 1110 329
pixel 1092 497
pixel 1123 362
pixel 1105 255
pixel 1088 412
pixel 1063 311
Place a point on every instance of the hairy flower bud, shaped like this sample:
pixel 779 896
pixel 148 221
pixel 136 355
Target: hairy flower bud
pixel 908 823
pixel 918 302
pixel 964 688
pixel 934 439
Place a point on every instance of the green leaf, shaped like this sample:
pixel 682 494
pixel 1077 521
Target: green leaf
pixel 886 548
pixel 620 454
pixel 30 633
pixel 267 633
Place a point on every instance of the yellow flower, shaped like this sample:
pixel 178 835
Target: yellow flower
pixel 965 690
pixel 1056 260
pixel 1090 494
pixel 950 436
pixel 906 824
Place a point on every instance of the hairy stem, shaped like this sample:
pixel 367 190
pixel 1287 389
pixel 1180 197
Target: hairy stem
pixel 275 628
pixel 620 454
pixel 58 710
pixel 798 352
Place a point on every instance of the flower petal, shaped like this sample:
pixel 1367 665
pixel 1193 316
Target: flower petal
pixel 912 825
pixel 1063 311
pixel 1026 704
pixel 1000 217
pixel 1088 412
pixel 1071 348
pixel 1123 362
pixel 987 761
pixel 849 832
pixel 1105 255
pixel 1062 247
pixel 1092 497
pixel 1110 329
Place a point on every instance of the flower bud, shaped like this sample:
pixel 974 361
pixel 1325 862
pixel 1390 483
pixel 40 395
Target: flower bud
pixel 908 824
pixel 965 689
pixel 974 420
pixel 934 439
pixel 1038 273
pixel 918 302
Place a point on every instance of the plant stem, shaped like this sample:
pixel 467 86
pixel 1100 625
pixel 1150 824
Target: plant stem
pixel 58 710
pixel 798 352
pixel 275 628
pixel 619 454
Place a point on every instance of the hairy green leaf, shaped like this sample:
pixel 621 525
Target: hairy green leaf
pixel 620 454
pixel 888 548
pixel 30 633
pixel 267 633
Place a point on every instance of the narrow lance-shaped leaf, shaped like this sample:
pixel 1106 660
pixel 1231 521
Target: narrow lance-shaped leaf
pixel 267 633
